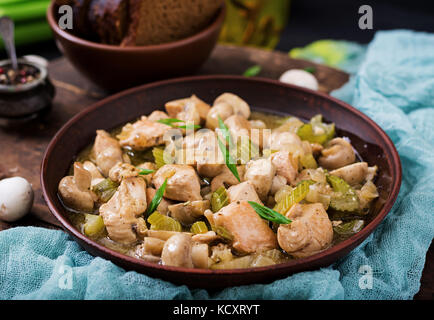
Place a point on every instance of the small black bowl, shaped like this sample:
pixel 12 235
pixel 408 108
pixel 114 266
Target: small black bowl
pixel 24 101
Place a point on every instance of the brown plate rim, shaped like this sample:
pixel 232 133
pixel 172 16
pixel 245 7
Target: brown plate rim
pixel 216 23
pixel 396 173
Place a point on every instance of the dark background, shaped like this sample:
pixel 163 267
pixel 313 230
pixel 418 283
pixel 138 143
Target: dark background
pixel 311 20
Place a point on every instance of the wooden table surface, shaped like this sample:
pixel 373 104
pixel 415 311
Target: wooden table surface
pixel 24 143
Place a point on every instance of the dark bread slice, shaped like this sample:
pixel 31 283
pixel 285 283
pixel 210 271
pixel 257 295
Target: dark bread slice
pixel 108 19
pixel 161 21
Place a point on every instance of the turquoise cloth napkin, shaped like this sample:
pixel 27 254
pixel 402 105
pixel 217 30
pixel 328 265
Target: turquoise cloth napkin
pixel 394 86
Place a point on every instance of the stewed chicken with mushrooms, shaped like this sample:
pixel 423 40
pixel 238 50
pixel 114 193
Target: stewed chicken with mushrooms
pixel 219 186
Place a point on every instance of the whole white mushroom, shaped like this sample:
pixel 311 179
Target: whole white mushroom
pixel 300 78
pixel 16 198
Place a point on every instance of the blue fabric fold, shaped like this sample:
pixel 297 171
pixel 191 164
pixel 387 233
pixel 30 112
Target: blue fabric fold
pixel 394 85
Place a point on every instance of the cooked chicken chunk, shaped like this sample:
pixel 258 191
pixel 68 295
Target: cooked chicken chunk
pixel 177 251
pixel 106 152
pixel 183 183
pixel 260 173
pixel 157 115
pixel 309 232
pixel 75 190
pixel 122 170
pixel 250 232
pixel 222 110
pixel 353 173
pixel 188 106
pixel 338 153
pixel 278 183
pixel 286 165
pixel 122 212
pixel 142 134
pixel 163 207
pixel 148 166
pixel 238 126
pixel 227 178
pixel 243 191
pixel 188 212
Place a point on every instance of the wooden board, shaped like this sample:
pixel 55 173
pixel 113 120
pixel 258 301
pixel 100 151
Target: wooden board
pixel 22 145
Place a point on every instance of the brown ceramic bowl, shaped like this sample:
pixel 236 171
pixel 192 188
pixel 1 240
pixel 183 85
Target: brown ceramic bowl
pixel 271 96
pixel 115 68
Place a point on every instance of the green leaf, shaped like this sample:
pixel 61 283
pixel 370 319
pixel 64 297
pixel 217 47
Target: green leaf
pixel 252 71
pixel 157 198
pixel 171 121
pixel 230 163
pixel 144 172
pixel 269 214
pixel 310 69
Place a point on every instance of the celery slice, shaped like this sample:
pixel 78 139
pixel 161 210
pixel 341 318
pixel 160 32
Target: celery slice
pixel 94 225
pixel 345 198
pixel 316 131
pixel 199 227
pixel 308 161
pixel 105 189
pixel 158 154
pixel 219 199
pixel 295 196
pixel 162 222
pixel 349 228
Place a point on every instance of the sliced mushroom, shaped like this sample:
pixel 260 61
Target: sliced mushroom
pixel 75 190
pixel 177 251
pixel 206 237
pixel 353 174
pixel 338 153
pixel 239 106
pixel 94 172
pixel 188 212
pixel 153 246
pixel 200 255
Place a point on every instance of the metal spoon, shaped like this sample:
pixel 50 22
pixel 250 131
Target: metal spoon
pixel 7 33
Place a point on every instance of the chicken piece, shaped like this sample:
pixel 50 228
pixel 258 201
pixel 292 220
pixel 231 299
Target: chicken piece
pixel 353 173
pixel 260 173
pixel 238 126
pixel 157 115
pixel 278 183
pixel 287 141
pixel 338 153
pixel 250 232
pixel 222 110
pixel 188 212
pixel 309 232
pixel 121 214
pixel 227 178
pixel 177 251
pixel 148 166
pixel 143 134
pixel 163 207
pixel 94 172
pixel 122 170
pixel 243 191
pixel 183 183
pixel 75 190
pixel 190 105
pixel 257 124
pixel 106 152
pixel 286 165
pixel 239 106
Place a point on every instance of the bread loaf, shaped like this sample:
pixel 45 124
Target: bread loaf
pixel 161 21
